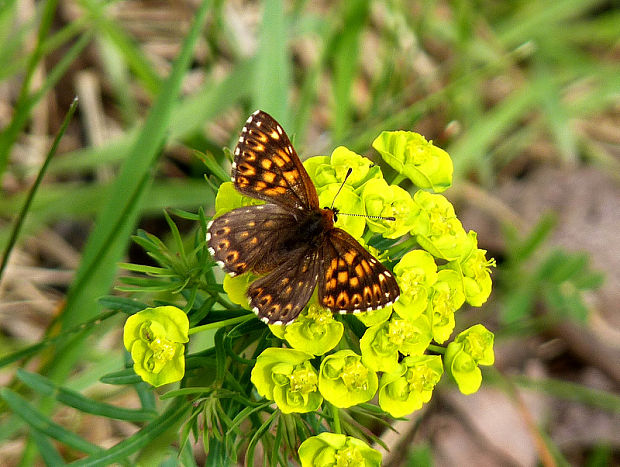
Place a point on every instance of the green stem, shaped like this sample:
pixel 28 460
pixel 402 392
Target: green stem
pixel 397 179
pixel 437 348
pixel 336 414
pixel 406 245
pixel 220 324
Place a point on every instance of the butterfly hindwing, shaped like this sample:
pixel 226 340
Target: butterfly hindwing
pixel 352 280
pixel 267 167
pixel 245 239
pixel 280 296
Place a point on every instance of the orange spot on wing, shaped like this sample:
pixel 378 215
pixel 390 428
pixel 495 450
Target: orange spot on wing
pixel 269 177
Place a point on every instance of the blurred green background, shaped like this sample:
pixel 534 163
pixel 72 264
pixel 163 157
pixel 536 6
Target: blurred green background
pixel 524 95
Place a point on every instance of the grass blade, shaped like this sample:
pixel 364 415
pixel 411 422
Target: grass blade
pixel 74 399
pixel 173 415
pixel 45 425
pixel 272 75
pixel 22 214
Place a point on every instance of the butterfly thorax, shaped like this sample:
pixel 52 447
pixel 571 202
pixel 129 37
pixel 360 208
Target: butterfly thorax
pixel 311 227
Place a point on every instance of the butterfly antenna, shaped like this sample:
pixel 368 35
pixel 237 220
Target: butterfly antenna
pixel 356 215
pixel 384 218
pixel 341 185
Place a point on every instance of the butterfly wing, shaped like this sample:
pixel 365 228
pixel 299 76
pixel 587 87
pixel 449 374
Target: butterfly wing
pixel 279 297
pixel 352 280
pixel 267 167
pixel 249 238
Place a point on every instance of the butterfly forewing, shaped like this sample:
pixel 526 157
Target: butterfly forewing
pixel 246 239
pixel 280 296
pixel 352 279
pixel 267 167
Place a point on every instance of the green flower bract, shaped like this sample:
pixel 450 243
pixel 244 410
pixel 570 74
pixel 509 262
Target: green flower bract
pixel 471 348
pixel 331 449
pixel 155 337
pixel 410 154
pixel 407 389
pixel 345 381
pixel 287 377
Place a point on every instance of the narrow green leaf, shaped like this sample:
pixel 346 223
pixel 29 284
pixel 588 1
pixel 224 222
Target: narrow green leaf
pixel 524 249
pixel 122 377
pixel 48 452
pixel 346 63
pixel 272 73
pixel 45 425
pixel 566 390
pixel 176 235
pixel 74 399
pixel 125 45
pixel 251 449
pixel 152 270
pixel 35 186
pixel 175 412
pixel 33 349
pixel 126 305
pixel 213 166
pixel 473 147
pixel 24 106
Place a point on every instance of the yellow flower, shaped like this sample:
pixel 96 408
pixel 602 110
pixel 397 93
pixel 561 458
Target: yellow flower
pixel 155 338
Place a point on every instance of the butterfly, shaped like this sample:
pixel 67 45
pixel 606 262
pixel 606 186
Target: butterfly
pixel 291 241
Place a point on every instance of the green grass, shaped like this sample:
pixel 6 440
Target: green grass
pixel 506 73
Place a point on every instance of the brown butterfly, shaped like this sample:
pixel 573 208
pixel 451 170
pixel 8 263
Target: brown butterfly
pixel 291 240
